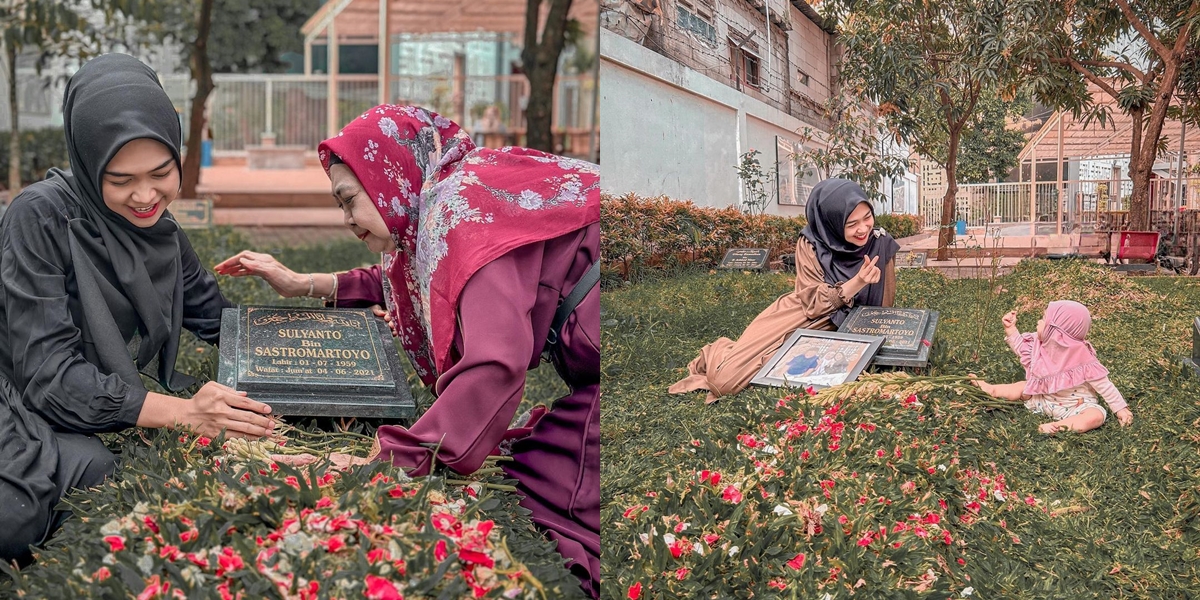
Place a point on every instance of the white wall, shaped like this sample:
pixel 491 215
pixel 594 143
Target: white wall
pixel 669 130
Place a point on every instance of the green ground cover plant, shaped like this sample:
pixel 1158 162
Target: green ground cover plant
pixel 903 484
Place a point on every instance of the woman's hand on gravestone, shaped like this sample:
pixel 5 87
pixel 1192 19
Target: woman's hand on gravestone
pixel 217 407
pixel 382 313
pixel 284 281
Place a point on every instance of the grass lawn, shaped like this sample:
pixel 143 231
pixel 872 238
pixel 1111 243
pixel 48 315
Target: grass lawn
pixel 973 501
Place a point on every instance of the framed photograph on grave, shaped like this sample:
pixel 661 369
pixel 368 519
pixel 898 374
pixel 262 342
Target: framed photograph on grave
pixel 819 359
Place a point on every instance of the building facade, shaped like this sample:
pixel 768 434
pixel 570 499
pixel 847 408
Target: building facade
pixel 693 85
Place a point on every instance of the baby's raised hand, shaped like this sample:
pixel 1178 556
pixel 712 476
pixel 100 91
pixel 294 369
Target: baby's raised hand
pixel 1009 320
pixel 1124 417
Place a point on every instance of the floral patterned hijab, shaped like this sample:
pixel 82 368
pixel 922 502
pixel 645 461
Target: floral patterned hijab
pixel 451 208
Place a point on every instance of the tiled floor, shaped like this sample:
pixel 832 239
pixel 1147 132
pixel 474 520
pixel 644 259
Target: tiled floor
pixel 291 226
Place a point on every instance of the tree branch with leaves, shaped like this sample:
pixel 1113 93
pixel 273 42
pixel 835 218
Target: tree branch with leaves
pixel 928 65
pixel 857 147
pixel 1079 44
pixel 54 28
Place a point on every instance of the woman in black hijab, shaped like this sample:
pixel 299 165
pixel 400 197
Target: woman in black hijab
pixel 842 261
pixel 97 282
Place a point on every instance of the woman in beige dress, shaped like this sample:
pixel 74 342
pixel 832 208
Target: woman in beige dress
pixel 842 261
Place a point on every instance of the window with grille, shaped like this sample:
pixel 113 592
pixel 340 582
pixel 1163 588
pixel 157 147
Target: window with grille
pixel 696 24
pixel 746 66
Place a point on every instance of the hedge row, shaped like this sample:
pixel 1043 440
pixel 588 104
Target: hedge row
pixel 642 234
pixel 40 150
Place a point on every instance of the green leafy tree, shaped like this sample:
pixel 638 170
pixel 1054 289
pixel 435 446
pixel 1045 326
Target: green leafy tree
pixel 249 36
pixel 539 59
pixel 989 147
pixel 53 28
pixel 1136 52
pixel 217 36
pixel 928 65
pixel 858 147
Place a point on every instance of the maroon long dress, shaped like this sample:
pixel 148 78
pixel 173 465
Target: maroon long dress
pixel 505 312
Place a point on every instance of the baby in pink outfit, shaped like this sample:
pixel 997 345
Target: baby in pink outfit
pixel 1063 377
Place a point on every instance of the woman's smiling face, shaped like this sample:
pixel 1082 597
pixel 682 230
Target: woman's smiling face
pixel 358 212
pixel 140 181
pixel 859 224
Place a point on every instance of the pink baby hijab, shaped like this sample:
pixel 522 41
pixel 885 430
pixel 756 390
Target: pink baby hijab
pixel 1064 359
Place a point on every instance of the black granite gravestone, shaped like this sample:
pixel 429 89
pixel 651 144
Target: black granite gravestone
pixel 324 362
pixel 748 259
pixel 911 260
pixel 1194 360
pixel 908 333
pixel 192 213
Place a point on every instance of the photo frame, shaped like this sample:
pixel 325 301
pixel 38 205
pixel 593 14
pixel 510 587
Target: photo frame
pixel 819 359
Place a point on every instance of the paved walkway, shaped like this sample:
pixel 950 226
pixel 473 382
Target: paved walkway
pixel 223 178
pixel 978 238
pixel 987 266
pixel 302 223
pixel 280 217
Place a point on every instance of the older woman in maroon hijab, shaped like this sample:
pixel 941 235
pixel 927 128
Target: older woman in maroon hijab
pixel 479 246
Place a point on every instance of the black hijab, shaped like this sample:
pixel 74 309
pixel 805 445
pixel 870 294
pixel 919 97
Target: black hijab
pixel 129 277
pixel 829 206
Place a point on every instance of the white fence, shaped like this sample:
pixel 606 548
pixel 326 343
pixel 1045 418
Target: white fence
pixel 1051 206
pixel 294 107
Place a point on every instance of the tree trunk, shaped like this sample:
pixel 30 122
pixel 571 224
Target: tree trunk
pixel 946 232
pixel 1140 167
pixel 1144 149
pixel 202 74
pixel 14 112
pixel 540 63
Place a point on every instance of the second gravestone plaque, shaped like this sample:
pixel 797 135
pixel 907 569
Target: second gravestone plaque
pixel 911 260
pixel 748 259
pixel 321 362
pixel 908 333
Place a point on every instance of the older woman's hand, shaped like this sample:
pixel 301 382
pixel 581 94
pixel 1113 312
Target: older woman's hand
pixel 382 313
pixel 284 281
